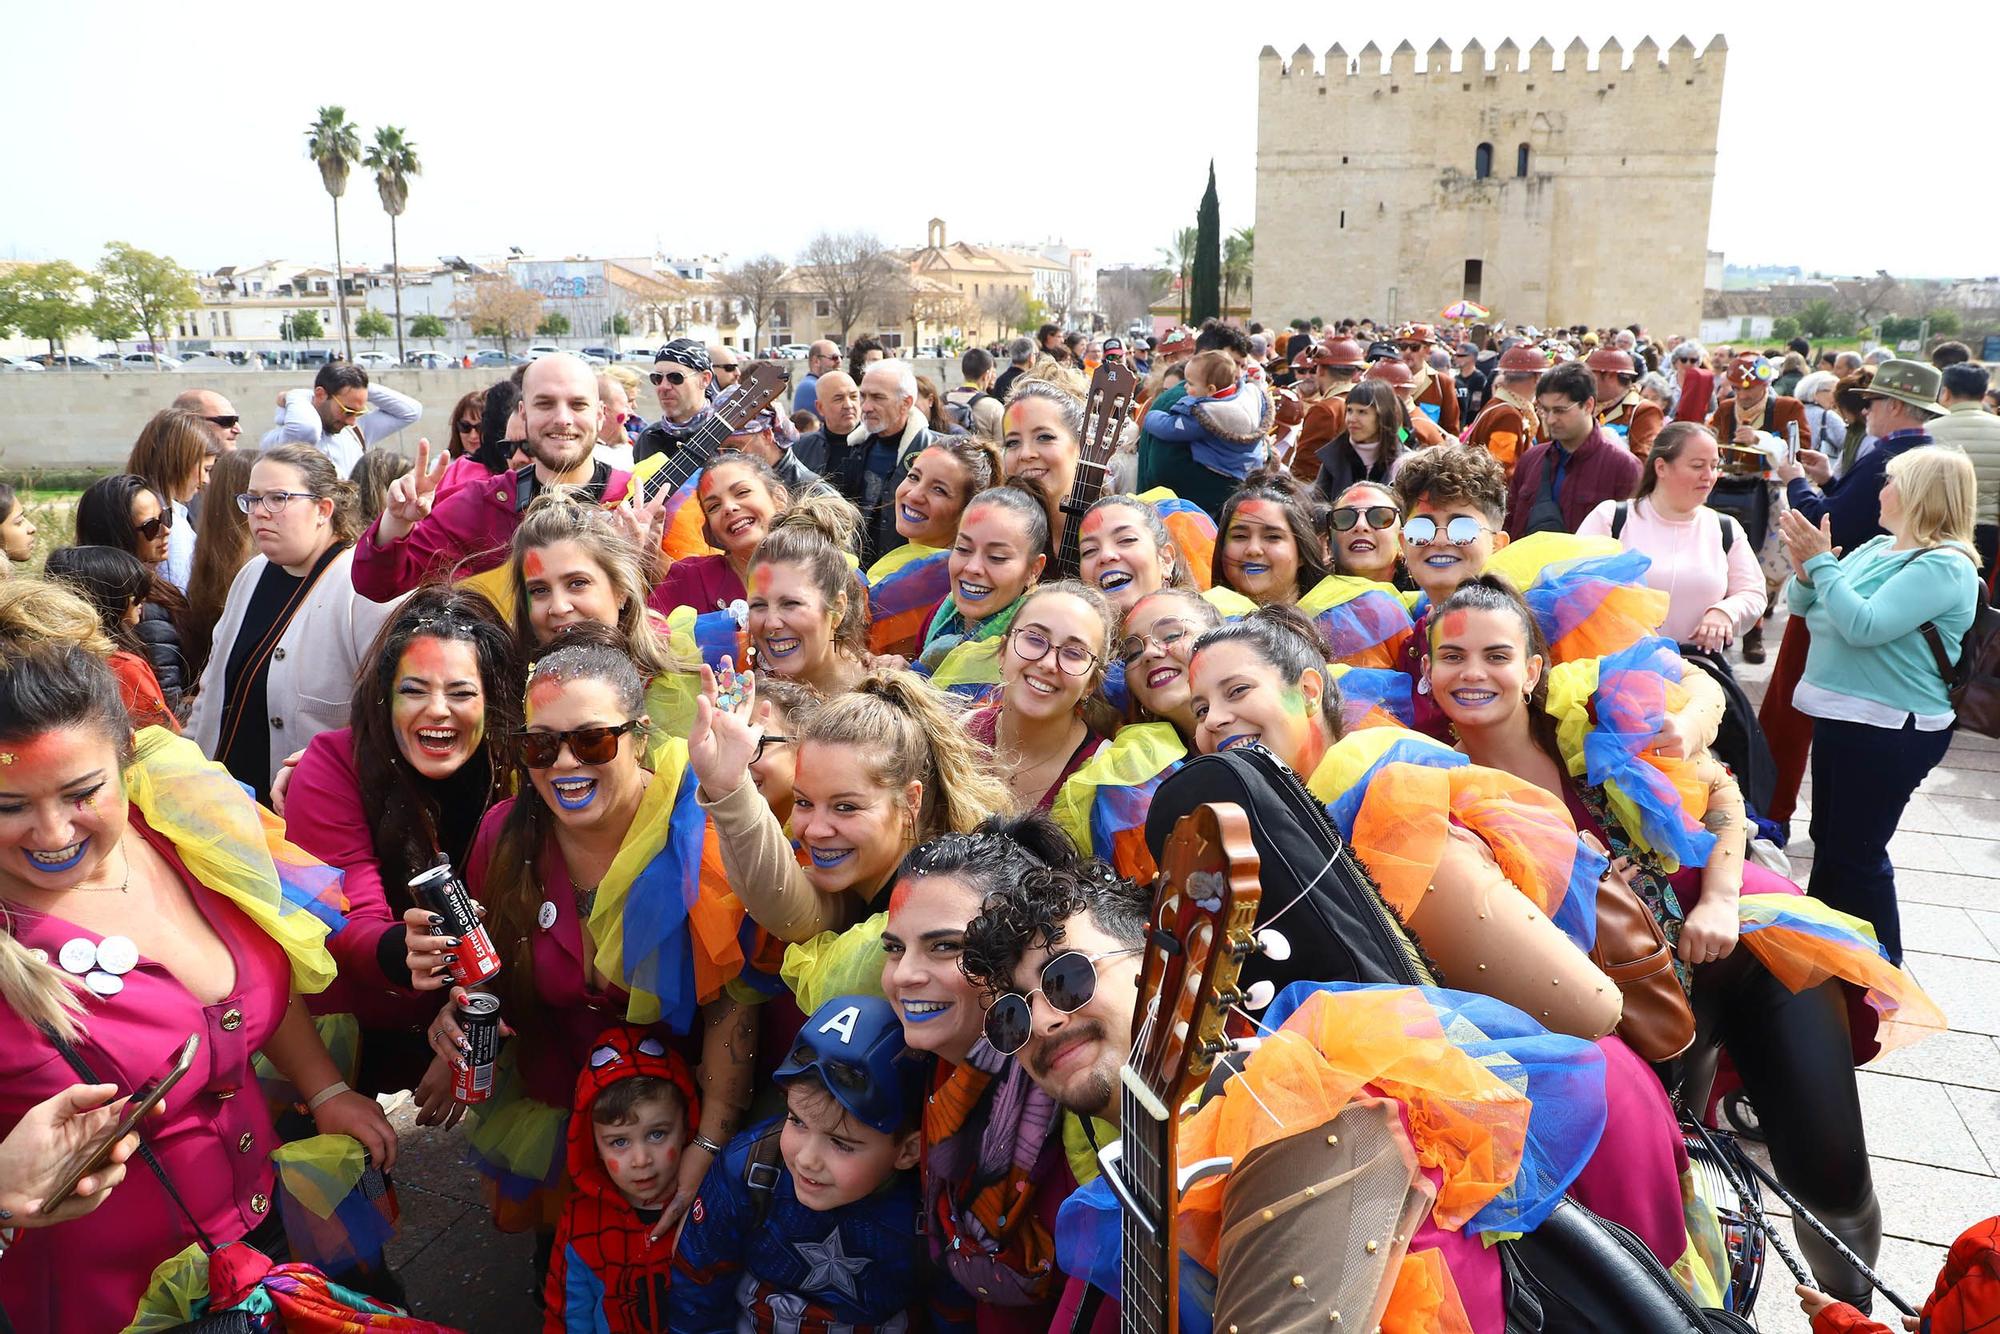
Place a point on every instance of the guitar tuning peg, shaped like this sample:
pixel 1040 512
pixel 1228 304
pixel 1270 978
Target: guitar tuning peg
pixel 1272 941
pixel 1260 994
pixel 1244 1046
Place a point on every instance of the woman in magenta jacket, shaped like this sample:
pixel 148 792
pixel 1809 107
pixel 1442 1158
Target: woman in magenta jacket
pixel 385 798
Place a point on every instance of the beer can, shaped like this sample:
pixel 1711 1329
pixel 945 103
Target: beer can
pixel 479 1018
pixel 441 892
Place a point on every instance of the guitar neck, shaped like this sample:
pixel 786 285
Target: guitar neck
pixel 1083 493
pixel 1149 1285
pixel 689 458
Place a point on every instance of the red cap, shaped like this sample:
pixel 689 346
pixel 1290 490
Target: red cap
pixel 1522 359
pixel 1395 372
pixel 1416 333
pixel 1340 352
pixel 1610 360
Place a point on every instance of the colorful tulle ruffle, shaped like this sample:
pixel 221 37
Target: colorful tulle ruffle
pixel 904 589
pixel 1804 941
pixel 837 963
pixel 1373 697
pixel 1609 714
pixel 338 1215
pixel 1395 794
pixel 971 671
pixel 707 637
pixel 517 1143
pixel 238 849
pixel 683 535
pixel 665 922
pixel 1191 528
pixel 1588 594
pixel 1103 805
pixel 1365 623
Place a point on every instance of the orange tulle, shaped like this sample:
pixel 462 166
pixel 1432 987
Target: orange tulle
pixel 715 922
pixel 1800 959
pixel 1466 1123
pixel 1400 831
pixel 1628 614
pixel 1425 1300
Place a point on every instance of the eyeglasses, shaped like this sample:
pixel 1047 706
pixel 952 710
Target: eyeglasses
pixel 1068 982
pixel 768 739
pixel 1033 646
pixel 269 502
pixel 351 413
pixel 227 423
pixel 668 377
pixel 1463 530
pixel 590 745
pixel 1377 516
pixel 153 527
pixel 1167 635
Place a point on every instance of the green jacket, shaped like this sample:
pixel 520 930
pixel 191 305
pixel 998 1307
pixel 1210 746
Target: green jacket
pixel 1154 453
pixel 1975 432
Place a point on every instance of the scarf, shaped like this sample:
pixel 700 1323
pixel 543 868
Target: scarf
pixel 985 1128
pixel 949 629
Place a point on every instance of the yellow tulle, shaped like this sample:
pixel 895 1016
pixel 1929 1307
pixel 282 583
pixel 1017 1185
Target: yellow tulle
pixel 319 1172
pixel 836 963
pixel 230 844
pixel 1137 754
pixel 1232 604
pixel 178 1287
pixel 1522 561
pixel 496 586
pixel 513 1131
pixel 1571 685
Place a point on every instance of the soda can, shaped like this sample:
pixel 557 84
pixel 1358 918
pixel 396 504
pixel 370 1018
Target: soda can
pixel 479 1018
pixel 440 892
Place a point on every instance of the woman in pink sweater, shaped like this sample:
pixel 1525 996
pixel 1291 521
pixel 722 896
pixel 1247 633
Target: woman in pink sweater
pixel 1702 559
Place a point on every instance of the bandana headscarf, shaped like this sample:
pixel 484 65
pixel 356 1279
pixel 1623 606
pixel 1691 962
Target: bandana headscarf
pixel 685 352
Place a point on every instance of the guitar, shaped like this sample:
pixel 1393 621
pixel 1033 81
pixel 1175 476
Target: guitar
pixel 1203 916
pixel 758 389
pixel 1106 408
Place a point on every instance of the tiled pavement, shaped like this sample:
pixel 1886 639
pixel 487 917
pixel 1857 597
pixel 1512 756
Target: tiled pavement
pixel 1933 1110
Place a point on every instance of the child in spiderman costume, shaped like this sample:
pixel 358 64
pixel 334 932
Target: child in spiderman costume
pixel 807 1224
pixel 634 1104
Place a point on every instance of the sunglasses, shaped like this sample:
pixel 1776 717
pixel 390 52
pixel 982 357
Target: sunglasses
pixel 1167 634
pixel 668 377
pixel 153 527
pixel 227 423
pixel 1463 530
pixel 727 366
pixel 768 739
pixel 351 413
pixel 1068 982
pixel 469 427
pixel 590 745
pixel 1376 516
pixel 1033 646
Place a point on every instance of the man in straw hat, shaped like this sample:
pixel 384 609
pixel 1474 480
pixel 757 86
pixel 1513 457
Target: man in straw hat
pixel 1902 401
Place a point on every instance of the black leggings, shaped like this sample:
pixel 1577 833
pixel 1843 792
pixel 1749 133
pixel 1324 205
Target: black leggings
pixel 1796 1060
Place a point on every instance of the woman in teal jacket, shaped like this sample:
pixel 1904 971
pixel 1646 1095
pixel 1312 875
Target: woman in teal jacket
pixel 1882 710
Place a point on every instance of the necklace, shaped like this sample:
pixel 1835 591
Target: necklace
pixel 586 899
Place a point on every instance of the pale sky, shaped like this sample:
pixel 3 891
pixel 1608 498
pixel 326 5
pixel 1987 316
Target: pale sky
pixel 613 129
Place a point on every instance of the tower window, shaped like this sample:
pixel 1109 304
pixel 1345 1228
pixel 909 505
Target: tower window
pixel 1482 162
pixel 1521 160
pixel 1475 273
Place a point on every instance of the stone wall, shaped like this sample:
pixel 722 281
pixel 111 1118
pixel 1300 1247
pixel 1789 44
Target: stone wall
pixel 1368 201
pixel 88 419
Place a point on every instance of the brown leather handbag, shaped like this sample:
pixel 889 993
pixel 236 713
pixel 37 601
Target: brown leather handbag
pixel 1632 951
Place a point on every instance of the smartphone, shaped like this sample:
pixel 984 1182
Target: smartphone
pixel 143 1100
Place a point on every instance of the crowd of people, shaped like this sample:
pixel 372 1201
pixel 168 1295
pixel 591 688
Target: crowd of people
pixel 753 875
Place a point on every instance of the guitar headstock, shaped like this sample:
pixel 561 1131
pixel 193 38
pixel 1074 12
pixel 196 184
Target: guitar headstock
pixel 759 388
pixel 1203 922
pixel 1107 406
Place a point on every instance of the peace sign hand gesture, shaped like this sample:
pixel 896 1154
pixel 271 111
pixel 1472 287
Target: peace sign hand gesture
pixel 411 496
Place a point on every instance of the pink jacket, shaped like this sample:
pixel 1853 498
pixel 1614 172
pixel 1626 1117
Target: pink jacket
pixel 214 1140
pixel 467 532
pixel 705 583
pixel 324 815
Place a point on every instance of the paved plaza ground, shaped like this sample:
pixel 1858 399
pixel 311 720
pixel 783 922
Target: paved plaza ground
pixel 1933 1110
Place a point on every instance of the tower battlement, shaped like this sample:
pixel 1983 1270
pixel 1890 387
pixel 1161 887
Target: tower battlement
pixel 1337 66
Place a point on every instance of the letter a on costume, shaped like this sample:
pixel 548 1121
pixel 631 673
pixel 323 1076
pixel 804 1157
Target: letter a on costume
pixel 842 1023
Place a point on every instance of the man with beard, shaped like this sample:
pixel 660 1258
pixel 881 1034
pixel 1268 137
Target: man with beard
pixel 1432 391
pixel 1064 937
pixel 342 415
pixel 418 537
pixel 681 376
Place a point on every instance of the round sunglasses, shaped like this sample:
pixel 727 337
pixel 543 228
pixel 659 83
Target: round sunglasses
pixel 1461 530
pixel 590 745
pixel 1068 982
pixel 1381 517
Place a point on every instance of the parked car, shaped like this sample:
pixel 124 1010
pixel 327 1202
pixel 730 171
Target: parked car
pixel 8 363
pixel 792 351
pixel 373 359
pixel 314 357
pixel 152 361
pixel 430 361
pixel 636 354
pixel 492 358
pixel 541 350
pixel 599 356
pixel 59 361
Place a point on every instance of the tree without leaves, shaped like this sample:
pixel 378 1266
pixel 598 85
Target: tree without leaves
pixel 149 289
pixel 1205 298
pixel 427 327
pixel 496 308
pixel 393 159
pixel 850 271
pixel 334 147
pixel 45 301
pixel 756 285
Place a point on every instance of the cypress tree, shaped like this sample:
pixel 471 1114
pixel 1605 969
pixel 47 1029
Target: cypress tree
pixel 1206 300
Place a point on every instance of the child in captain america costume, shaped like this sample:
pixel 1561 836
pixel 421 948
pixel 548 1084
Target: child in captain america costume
pixel 807 1224
pixel 634 1104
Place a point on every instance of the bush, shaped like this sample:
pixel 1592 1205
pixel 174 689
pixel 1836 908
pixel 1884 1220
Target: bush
pixel 1785 328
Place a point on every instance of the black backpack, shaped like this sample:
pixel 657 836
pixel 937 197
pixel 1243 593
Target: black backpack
pixel 1576 1273
pixel 1623 511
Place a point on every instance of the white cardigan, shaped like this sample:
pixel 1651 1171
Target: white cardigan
pixel 310 688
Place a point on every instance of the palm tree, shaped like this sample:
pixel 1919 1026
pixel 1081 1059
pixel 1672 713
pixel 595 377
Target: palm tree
pixel 332 143
pixel 1238 255
pixel 1180 258
pixel 393 159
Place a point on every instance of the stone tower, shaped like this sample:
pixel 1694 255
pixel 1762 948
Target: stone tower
pixel 1571 193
